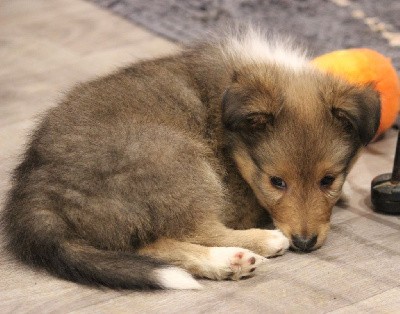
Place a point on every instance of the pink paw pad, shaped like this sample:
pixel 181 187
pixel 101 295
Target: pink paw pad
pixel 244 263
pixel 235 262
pixel 239 255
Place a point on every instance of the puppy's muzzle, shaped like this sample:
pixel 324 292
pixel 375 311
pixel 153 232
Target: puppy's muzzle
pixel 303 243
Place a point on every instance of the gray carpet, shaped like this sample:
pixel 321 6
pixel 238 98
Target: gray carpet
pixel 321 25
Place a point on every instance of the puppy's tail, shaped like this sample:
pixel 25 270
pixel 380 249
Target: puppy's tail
pixel 86 264
pixel 115 269
pixel 42 238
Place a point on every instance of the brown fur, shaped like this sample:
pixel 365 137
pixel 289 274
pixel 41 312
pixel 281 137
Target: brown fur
pixel 158 162
pixel 305 140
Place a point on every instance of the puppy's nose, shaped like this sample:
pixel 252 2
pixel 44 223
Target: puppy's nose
pixel 304 243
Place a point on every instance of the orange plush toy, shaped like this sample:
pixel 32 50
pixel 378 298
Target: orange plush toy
pixel 363 66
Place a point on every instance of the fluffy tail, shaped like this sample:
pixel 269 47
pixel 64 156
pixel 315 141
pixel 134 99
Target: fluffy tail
pixel 86 264
pixel 42 238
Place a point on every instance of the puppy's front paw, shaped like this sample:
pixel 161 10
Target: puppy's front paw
pixel 233 262
pixel 277 243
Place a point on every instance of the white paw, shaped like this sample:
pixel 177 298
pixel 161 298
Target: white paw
pixel 277 243
pixel 233 262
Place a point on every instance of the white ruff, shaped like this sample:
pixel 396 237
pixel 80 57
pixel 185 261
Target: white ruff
pixel 254 47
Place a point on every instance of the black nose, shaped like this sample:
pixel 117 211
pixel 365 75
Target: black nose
pixel 304 243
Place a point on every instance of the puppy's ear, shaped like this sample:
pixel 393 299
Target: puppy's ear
pixel 238 114
pixel 358 111
pixel 249 105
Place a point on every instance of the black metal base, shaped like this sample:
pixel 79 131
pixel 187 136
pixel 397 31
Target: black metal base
pixel 385 195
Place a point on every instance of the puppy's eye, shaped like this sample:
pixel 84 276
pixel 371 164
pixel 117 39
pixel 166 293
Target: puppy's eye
pixel 326 181
pixel 278 183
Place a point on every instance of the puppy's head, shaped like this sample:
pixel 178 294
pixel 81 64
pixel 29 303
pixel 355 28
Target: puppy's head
pixel 294 137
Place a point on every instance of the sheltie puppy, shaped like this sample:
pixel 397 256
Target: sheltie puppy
pixel 170 168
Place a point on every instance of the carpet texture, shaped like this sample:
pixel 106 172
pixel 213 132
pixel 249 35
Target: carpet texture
pixel 321 26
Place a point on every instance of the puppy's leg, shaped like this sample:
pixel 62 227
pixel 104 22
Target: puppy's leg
pixel 184 195
pixel 263 242
pixel 207 262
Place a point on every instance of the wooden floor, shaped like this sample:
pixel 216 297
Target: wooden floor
pixel 46 46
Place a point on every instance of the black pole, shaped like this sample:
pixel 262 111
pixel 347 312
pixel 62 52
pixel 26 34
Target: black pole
pixel 385 189
pixel 396 166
